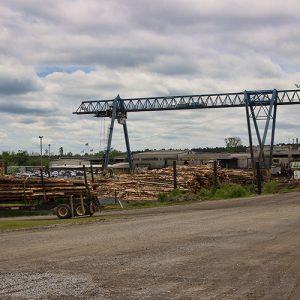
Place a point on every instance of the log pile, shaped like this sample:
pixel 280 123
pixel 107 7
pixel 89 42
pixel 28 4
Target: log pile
pixel 28 189
pixel 147 184
pixel 144 185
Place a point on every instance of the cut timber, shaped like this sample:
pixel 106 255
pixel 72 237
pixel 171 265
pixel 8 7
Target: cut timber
pixel 148 184
pixel 28 188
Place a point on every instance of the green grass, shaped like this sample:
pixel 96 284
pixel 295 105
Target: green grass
pixel 25 224
pixel 270 187
pixel 173 196
pixel 226 191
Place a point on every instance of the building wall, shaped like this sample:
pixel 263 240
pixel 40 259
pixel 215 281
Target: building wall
pixel 160 159
pixel 68 162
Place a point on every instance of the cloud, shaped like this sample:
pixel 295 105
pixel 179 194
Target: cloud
pixel 16 79
pixel 54 56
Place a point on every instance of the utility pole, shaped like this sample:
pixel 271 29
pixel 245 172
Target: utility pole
pixel 41 145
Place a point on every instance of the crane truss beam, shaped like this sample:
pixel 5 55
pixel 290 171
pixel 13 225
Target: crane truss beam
pixel 103 108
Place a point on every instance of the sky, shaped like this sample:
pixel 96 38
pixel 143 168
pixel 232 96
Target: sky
pixel 55 54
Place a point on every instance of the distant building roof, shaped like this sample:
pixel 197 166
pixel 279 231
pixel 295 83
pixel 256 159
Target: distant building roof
pixel 161 152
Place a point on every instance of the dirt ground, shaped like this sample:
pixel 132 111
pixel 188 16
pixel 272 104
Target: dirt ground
pixel 237 249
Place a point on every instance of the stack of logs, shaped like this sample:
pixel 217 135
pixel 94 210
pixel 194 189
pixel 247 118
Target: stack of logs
pixel 30 188
pixel 147 184
pixel 143 185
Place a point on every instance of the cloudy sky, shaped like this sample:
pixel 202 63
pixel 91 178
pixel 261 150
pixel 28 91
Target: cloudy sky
pixel 54 54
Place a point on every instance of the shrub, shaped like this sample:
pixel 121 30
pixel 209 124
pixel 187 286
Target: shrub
pixel 270 187
pixel 226 191
pixel 175 195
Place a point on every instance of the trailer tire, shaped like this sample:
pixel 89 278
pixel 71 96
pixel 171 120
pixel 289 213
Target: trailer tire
pixel 78 210
pixel 63 211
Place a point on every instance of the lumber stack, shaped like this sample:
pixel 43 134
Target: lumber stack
pixel 27 189
pixel 204 178
pixel 147 184
pixel 144 185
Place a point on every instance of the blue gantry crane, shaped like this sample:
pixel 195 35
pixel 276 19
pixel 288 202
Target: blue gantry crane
pixel 259 105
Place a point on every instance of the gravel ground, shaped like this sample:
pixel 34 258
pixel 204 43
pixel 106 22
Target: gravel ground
pixel 237 249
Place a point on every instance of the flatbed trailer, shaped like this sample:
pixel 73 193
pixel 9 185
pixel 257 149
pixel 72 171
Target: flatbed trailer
pixel 68 198
pixel 64 207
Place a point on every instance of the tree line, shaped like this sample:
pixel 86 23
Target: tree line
pixel 23 158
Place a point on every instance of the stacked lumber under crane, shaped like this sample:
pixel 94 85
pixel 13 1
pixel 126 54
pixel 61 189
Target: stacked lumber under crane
pixel 147 184
pixel 143 185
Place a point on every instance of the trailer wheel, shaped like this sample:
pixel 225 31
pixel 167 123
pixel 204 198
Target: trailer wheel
pixel 63 211
pixel 78 210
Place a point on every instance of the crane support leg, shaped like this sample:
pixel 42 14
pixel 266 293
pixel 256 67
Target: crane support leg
pixel 129 156
pixel 122 120
pixel 249 130
pixel 261 105
pixel 111 129
pixel 121 117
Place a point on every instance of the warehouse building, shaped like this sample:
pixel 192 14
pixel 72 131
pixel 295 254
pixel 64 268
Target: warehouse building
pixel 160 159
pixel 283 155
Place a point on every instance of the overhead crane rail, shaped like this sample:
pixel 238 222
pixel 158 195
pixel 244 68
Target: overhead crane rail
pixel 259 105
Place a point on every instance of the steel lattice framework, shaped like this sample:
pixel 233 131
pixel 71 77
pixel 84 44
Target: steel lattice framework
pixel 100 107
pixel 259 105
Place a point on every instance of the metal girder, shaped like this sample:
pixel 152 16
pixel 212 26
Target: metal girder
pixel 102 108
pixel 261 106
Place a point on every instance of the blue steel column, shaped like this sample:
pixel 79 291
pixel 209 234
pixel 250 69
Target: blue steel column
pixel 269 116
pixel 111 129
pixel 274 96
pixel 247 102
pixel 128 147
pixel 257 131
pixel 129 156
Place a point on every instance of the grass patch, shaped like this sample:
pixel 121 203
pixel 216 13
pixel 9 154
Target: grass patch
pixel 173 196
pixel 226 191
pixel 289 188
pixel 270 187
pixel 25 224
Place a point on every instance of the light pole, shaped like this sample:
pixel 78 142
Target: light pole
pixel 41 145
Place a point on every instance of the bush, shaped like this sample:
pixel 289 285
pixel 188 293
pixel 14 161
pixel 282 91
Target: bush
pixel 175 195
pixel 270 187
pixel 226 191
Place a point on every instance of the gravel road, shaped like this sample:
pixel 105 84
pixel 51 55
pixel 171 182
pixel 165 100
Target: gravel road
pixel 237 249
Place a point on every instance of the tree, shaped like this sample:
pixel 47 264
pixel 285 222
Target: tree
pixel 233 143
pixel 61 151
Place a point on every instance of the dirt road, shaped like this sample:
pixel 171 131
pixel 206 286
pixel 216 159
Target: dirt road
pixel 238 249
